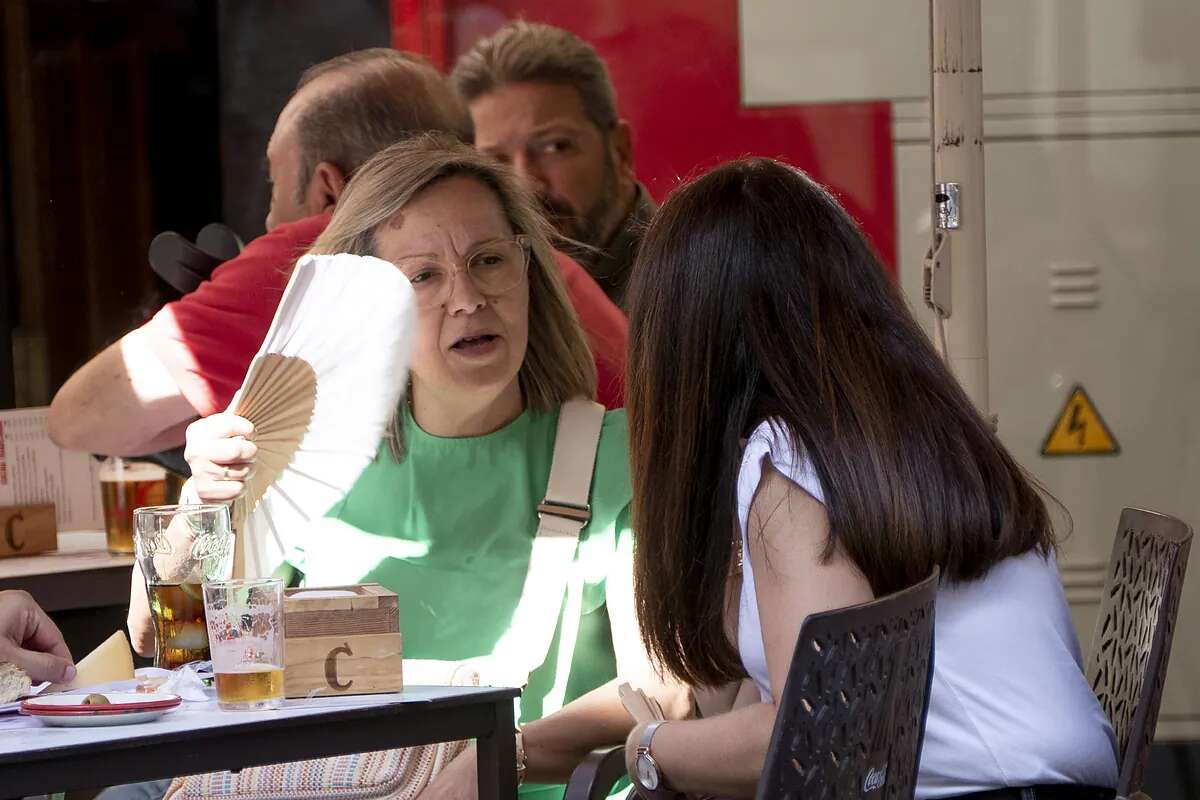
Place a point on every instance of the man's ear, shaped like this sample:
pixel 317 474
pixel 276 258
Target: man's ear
pixel 324 188
pixel 622 142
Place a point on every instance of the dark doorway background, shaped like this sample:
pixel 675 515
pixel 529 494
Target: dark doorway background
pixel 123 118
pixel 110 134
pixel 265 45
pixel 120 119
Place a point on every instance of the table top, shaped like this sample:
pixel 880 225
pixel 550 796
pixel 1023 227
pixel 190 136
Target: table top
pixel 25 738
pixel 78 551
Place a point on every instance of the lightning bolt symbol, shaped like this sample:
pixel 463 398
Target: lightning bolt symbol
pixel 1076 425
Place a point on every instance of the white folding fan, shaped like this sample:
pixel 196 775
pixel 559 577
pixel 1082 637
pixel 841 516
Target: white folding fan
pixel 320 393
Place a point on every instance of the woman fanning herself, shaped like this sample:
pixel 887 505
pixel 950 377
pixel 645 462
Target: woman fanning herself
pixel 798 446
pixel 446 515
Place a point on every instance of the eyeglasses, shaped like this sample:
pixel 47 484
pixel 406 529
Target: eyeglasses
pixel 494 267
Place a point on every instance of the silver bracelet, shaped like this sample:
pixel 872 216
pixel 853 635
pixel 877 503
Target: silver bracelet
pixel 522 762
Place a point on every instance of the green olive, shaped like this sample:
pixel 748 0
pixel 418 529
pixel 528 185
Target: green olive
pixel 96 700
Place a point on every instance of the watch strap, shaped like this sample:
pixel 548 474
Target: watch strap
pixel 644 751
pixel 648 734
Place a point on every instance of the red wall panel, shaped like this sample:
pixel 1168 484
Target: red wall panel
pixel 676 70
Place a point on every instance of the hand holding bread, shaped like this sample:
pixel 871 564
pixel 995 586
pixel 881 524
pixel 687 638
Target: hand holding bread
pixel 32 644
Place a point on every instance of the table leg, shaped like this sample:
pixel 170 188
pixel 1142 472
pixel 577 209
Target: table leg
pixel 496 756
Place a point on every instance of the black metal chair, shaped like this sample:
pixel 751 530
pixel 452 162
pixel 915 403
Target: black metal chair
pixel 852 714
pixel 597 774
pixel 1132 642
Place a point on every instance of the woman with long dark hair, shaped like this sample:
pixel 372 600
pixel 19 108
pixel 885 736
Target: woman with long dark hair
pixel 797 446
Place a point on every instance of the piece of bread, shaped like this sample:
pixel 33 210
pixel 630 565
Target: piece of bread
pixel 14 682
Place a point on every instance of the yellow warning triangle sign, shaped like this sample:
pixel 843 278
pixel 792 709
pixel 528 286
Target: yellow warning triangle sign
pixel 1080 430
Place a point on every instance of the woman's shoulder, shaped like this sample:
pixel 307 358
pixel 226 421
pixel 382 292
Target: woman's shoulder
pixel 611 492
pixel 772 438
pixel 614 433
pixel 611 487
pixel 612 454
pixel 612 451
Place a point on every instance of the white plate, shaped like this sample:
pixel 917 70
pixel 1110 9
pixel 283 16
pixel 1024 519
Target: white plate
pixel 15 705
pixel 124 708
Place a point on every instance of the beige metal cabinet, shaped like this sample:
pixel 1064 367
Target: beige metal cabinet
pixel 1092 119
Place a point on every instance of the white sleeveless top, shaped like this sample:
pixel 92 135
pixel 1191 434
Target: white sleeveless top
pixel 1009 705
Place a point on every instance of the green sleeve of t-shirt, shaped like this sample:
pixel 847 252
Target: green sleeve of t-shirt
pixel 291 576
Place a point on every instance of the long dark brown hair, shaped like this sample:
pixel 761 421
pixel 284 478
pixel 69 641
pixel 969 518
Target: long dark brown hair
pixel 755 297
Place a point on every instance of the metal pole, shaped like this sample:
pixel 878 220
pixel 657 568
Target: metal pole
pixel 957 142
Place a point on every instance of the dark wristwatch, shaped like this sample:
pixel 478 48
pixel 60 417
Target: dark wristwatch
pixel 648 774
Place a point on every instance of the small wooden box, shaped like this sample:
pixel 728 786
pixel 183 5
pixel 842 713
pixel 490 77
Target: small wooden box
pixel 26 530
pixel 342 645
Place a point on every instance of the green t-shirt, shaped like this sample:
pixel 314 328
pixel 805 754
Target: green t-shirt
pixel 449 529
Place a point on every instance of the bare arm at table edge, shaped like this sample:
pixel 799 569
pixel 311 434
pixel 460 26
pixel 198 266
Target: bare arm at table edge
pixel 556 744
pixel 122 402
pixel 141 626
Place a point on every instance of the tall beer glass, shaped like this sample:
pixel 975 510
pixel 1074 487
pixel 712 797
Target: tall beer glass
pixel 245 628
pixel 179 548
pixel 125 485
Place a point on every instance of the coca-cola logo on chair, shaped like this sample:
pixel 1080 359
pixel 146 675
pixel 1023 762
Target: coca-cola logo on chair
pixel 874 780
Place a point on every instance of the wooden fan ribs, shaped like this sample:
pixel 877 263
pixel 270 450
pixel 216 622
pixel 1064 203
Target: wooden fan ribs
pixel 278 399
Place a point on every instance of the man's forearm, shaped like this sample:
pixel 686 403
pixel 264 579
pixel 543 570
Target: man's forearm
pixel 172 437
pixel 123 402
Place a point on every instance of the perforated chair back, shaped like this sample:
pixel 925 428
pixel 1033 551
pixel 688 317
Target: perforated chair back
pixel 852 715
pixel 1132 642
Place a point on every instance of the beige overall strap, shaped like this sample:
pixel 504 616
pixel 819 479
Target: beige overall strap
pixel 570 484
pixel 561 517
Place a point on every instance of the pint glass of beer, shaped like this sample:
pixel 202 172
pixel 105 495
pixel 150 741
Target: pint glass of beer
pixel 125 485
pixel 245 632
pixel 179 548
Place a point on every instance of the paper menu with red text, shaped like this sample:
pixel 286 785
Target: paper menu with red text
pixel 35 470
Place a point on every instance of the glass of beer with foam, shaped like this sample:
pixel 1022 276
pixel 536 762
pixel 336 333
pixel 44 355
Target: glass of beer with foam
pixel 179 548
pixel 125 485
pixel 245 633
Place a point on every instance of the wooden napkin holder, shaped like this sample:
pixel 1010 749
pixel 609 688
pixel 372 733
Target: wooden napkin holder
pixel 342 645
pixel 26 530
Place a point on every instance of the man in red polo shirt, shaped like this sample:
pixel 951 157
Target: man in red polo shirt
pixel 139 395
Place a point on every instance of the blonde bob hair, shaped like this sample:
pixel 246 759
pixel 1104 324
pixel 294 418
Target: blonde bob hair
pixel 558 364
